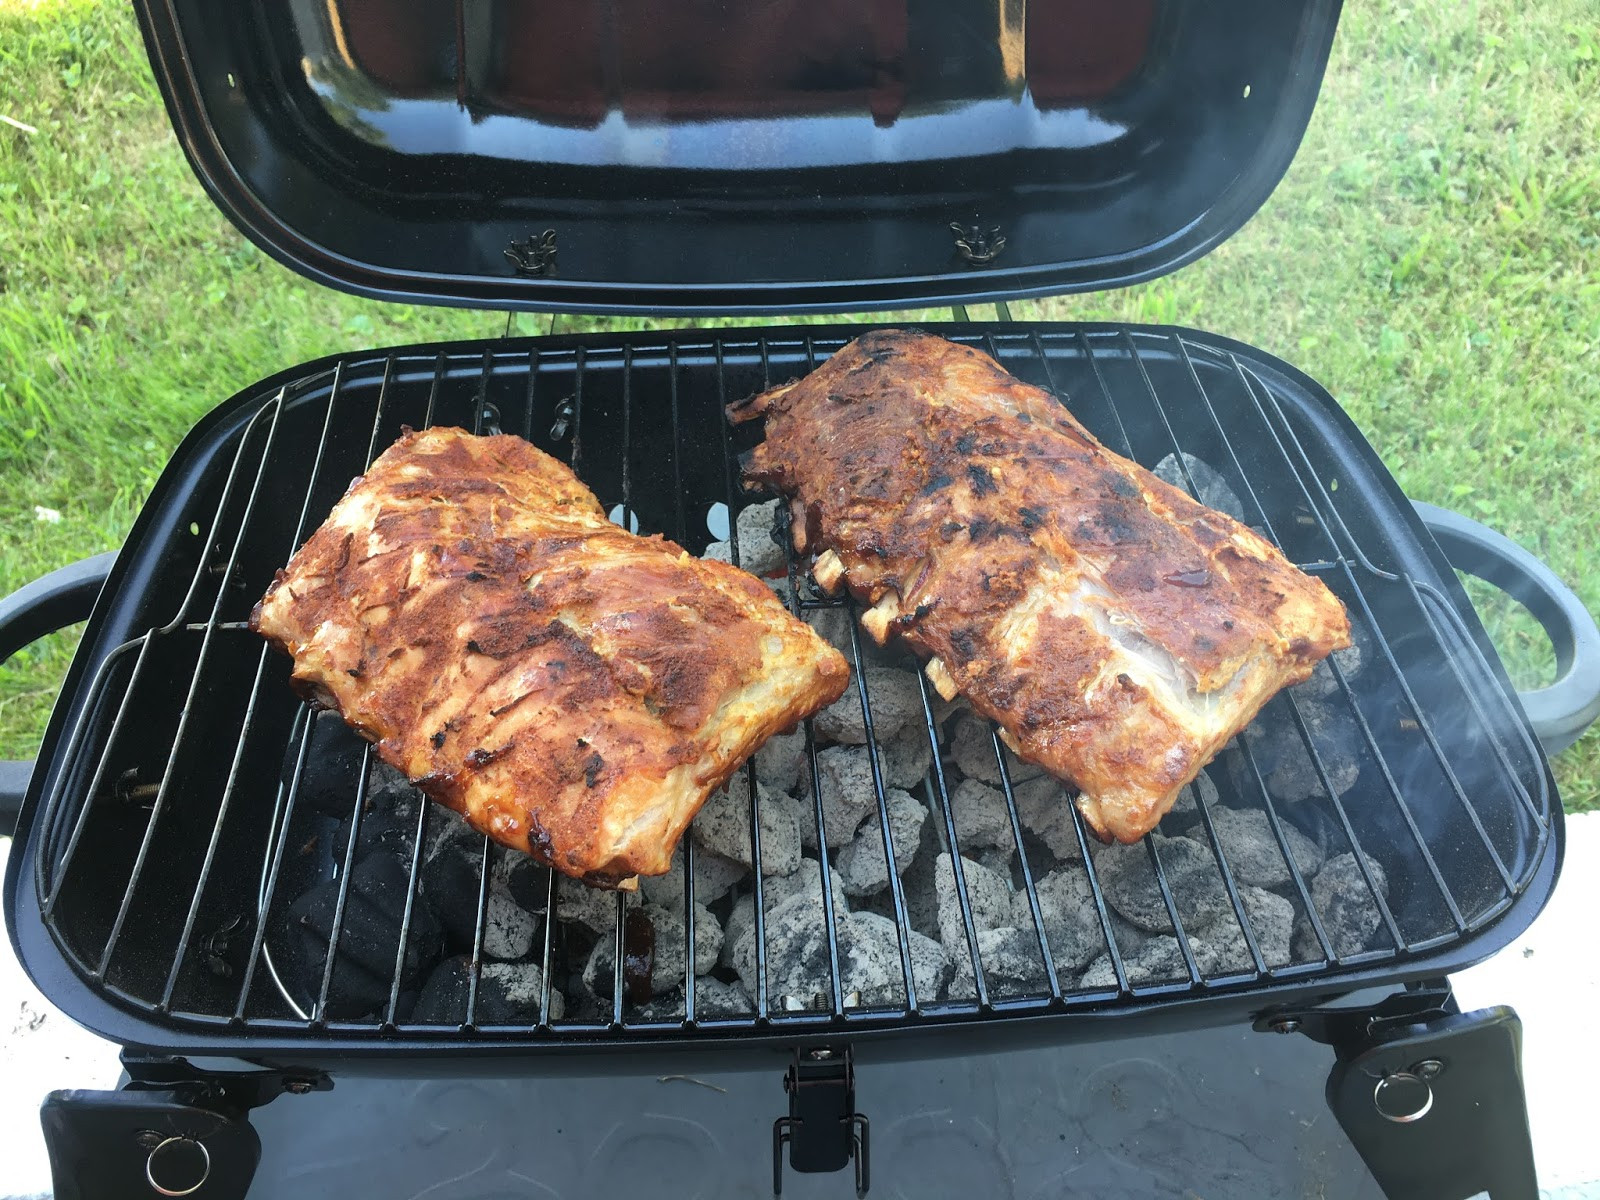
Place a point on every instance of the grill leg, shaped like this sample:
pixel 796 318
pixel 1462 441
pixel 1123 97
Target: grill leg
pixel 171 1131
pixel 1431 1097
pixel 1440 1114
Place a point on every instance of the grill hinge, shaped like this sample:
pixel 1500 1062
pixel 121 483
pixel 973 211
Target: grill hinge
pixel 823 1130
pixel 172 1130
pixel 1430 1097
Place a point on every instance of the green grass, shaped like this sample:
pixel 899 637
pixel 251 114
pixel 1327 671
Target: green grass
pixel 1430 256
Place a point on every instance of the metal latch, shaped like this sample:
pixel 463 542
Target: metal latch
pixel 1430 1097
pixel 823 1130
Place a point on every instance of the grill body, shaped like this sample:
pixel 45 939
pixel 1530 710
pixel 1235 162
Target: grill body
pixel 173 794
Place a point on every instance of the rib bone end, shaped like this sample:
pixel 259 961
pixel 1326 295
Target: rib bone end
pixel 939 675
pixel 828 571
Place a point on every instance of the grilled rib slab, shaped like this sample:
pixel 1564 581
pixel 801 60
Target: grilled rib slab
pixel 574 690
pixel 1117 631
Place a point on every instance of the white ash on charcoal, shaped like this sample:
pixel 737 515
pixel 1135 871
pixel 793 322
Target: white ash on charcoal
pixel 714 877
pixel 1210 488
pixel 1220 949
pixel 918 884
pixel 1253 855
pixel 862 865
pixel 796 948
pixel 906 757
pixel 805 881
pixel 844 777
pixel 1131 886
pixel 980 817
pixel 988 892
pixel 722 826
pixel 760 550
pixel 712 998
pixel 1071 922
pixel 1002 860
pixel 896 700
pixel 450 881
pixel 586 907
pixel 1350 917
pixel 781 761
pixel 369 939
pixel 1184 816
pixel 832 625
pixel 870 968
pixel 653 953
pixel 715 998
pixel 1283 760
pixel 969 745
pixel 1158 960
pixel 508 994
pixel 719 552
pixel 509 929
pixel 1324 684
pixel 741 921
pixel 1045 809
pixel 929 968
pixel 1128 936
pixel 1012 964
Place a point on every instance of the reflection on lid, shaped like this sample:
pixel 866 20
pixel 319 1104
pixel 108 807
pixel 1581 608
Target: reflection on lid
pixel 576 63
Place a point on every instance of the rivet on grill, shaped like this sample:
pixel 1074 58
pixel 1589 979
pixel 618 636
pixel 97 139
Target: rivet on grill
pixel 976 244
pixel 1428 1068
pixel 149 1139
pixel 534 254
pixel 564 414
pixel 1285 1025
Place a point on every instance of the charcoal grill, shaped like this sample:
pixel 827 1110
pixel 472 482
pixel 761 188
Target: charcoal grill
pixel 184 799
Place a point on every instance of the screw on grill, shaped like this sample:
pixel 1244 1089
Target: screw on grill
pixel 129 790
pixel 977 245
pixel 534 254
pixel 215 947
pixel 563 421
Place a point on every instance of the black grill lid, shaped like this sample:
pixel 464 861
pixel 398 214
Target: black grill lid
pixel 698 156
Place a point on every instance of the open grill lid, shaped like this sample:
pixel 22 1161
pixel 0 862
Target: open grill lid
pixel 699 157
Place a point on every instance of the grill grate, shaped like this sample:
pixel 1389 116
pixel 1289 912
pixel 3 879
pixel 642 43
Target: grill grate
pixel 194 797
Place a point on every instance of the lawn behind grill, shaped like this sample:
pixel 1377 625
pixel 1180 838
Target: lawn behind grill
pixel 1431 257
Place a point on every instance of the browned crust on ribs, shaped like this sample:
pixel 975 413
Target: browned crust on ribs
pixel 575 691
pixel 1119 632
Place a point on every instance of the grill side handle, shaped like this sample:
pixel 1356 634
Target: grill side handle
pixel 1562 710
pixel 54 601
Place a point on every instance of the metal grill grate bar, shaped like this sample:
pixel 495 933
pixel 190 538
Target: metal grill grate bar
pixel 336 936
pixel 1029 888
pixel 881 798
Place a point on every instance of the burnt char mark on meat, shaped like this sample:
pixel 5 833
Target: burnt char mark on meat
pixel 983 483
